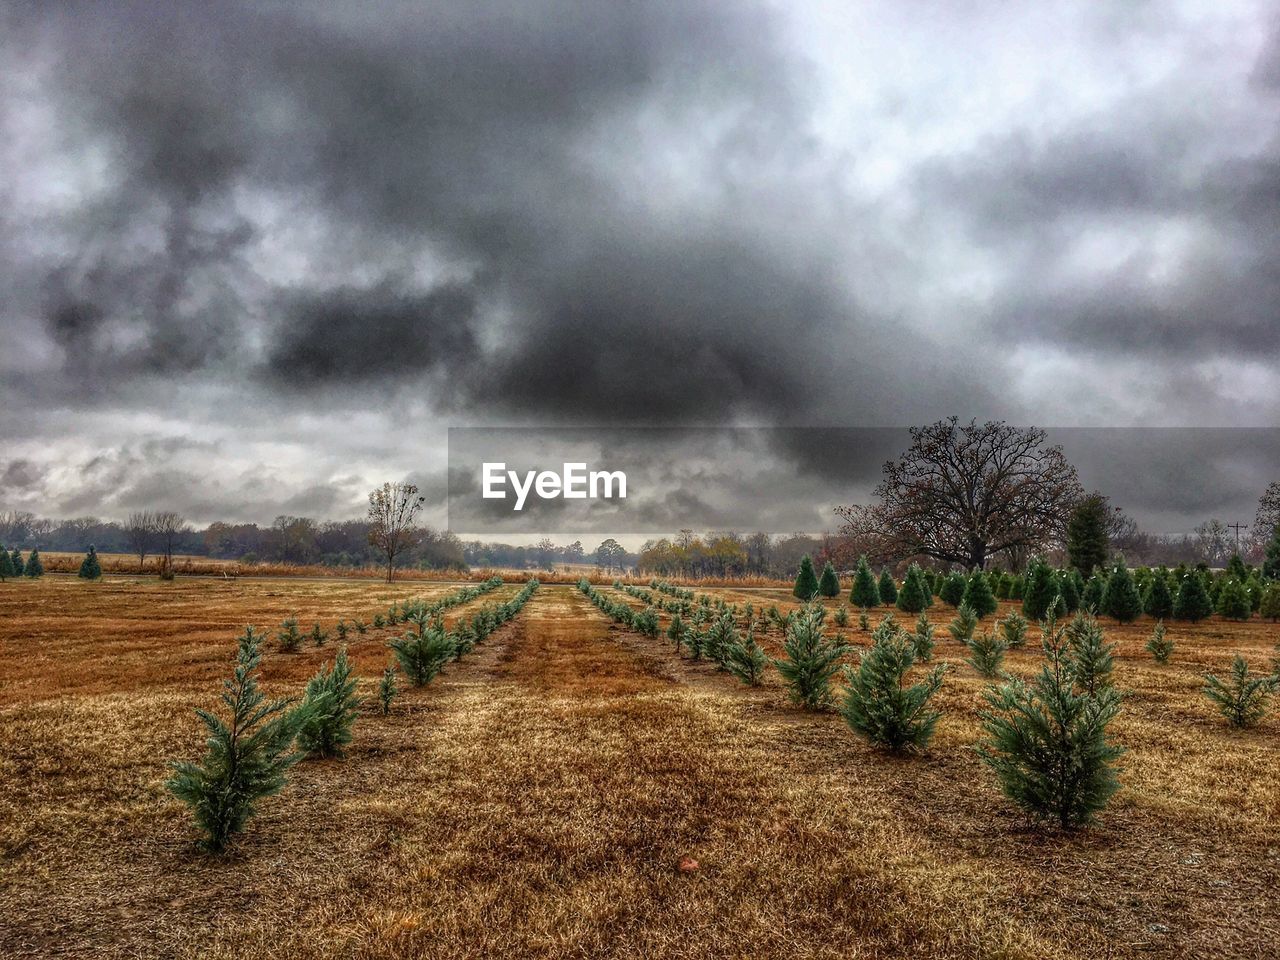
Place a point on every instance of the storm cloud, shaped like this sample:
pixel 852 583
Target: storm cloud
pixel 299 239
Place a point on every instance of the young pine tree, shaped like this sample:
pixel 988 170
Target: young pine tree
pixel 318 636
pixel 746 659
pixel 1091 657
pixel 90 568
pixel 1040 591
pixel 1269 609
pixel 1242 699
pixel 1271 563
pixel 965 622
pixel 842 616
pixel 289 637
pixel 1160 646
pixel 986 654
pixel 953 588
pixel 388 689
pixel 720 638
pixel 913 598
pixel 806 587
pixel 329 710
pixel 675 632
pixel 1192 603
pixel 1233 601
pixel 829 585
pixel 246 757
pixel 1121 599
pixel 887 588
pixel 865 593
pixel 810 659
pixel 19 568
pixel 33 567
pixel 1157 601
pixel 1087 540
pixel 1047 742
pixel 1069 590
pixel 423 652
pixel 923 638
pixel 879 704
pixel 6 565
pixel 978 595
pixel 1014 629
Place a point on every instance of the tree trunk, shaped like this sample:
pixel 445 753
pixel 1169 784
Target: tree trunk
pixel 977 555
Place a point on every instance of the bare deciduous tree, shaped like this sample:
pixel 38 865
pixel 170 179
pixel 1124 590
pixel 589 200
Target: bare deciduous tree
pixel 392 510
pixel 963 492
pixel 169 526
pixel 140 532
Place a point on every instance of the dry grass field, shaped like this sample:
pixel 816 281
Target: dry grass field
pixel 535 800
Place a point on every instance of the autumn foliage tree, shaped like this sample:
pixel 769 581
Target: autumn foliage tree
pixel 963 492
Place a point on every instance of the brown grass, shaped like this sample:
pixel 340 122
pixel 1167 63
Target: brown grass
pixel 534 802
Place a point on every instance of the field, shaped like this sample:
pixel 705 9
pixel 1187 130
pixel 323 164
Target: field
pixel 537 798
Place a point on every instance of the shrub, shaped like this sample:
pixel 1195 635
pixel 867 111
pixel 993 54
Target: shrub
pixel 806 587
pixel 965 622
pixel 1047 742
pixel 423 652
pixel 1014 628
pixel 1090 655
pixel 34 568
pixel 90 568
pixel 978 595
pixel 388 689
pixel 913 598
pixel 810 659
pixel 865 593
pixel 986 654
pixel 1121 599
pixel 1193 601
pixel 878 703
pixel 329 710
pixel 746 659
pixel 246 759
pixel 1270 608
pixel 1160 646
pixel 829 585
pixel 289 637
pixel 923 638
pixel 887 588
pixel 953 589
pixel 1242 699
pixel 1233 601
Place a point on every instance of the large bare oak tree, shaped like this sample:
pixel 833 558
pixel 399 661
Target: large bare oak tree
pixel 964 492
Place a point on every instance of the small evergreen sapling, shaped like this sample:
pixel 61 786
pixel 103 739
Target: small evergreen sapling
pixel 965 622
pixel 318 636
pixel 923 638
pixel 810 659
pixel 675 632
pixel 329 710
pixel 842 616
pixel 1047 741
pixel 1157 600
pixel 865 593
pixel 1041 590
pixel 721 636
pixel 1160 645
pixel 1014 629
pixel 423 652
pixel 247 757
pixel 289 637
pixel 953 588
pixel 878 703
pixel 888 589
pixel 829 585
pixel 1233 601
pixel 1094 591
pixel 986 654
pixel 1242 699
pixel 806 587
pixel 90 568
pixel 1121 599
pixel 1091 657
pixel 6 565
pixel 864 622
pixel 33 568
pixel 388 689
pixel 913 597
pixel 15 558
pixel 1269 609
pixel 1069 590
pixel 978 595
pixel 746 659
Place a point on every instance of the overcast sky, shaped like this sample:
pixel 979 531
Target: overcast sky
pixel 257 257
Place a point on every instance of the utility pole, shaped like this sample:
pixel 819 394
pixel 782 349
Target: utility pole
pixel 1237 527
